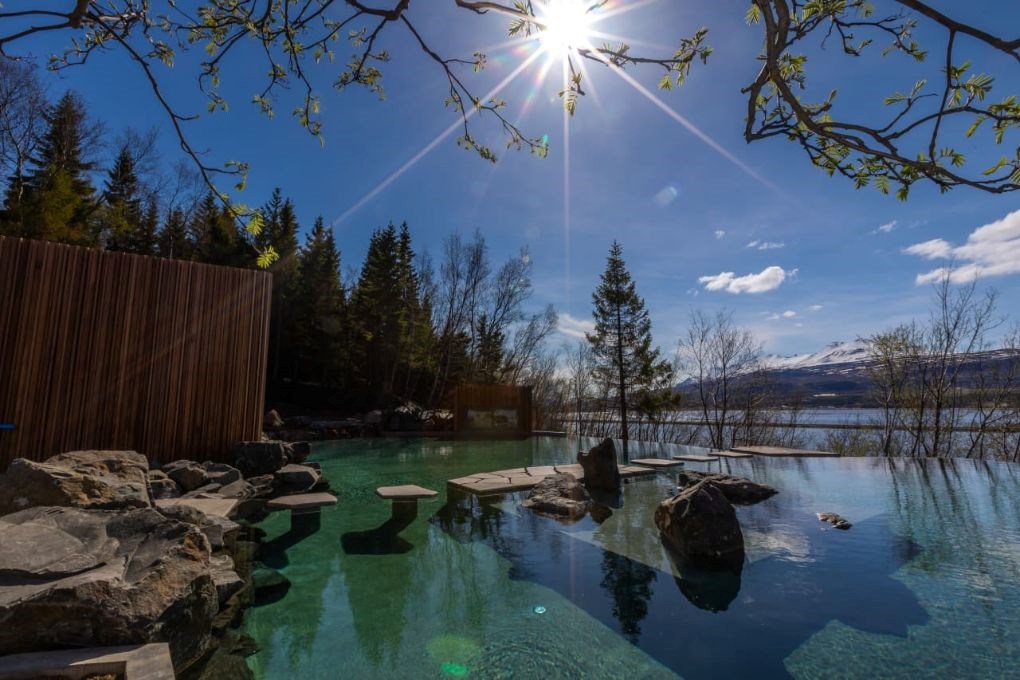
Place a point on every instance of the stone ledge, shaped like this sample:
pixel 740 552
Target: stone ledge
pixel 405 492
pixel 304 501
pixel 136 662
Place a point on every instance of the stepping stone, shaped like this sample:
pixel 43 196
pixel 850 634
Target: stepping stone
pixel 405 499
pixel 656 462
pixel 697 459
pixel 783 451
pixel 406 492
pixel 571 468
pixel 542 471
pixel 733 454
pixel 635 471
pixel 303 501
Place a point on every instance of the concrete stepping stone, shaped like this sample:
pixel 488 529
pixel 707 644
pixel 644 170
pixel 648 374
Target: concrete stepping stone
pixel 302 501
pixel 405 499
pixel 733 454
pixel 692 458
pixel 656 462
pixel 783 451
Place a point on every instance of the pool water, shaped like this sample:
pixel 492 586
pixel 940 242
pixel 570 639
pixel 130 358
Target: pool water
pixel 925 584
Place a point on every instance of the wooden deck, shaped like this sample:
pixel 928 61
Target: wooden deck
pixel 521 479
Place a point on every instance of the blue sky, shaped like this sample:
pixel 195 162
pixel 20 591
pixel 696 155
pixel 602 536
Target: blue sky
pixel 686 215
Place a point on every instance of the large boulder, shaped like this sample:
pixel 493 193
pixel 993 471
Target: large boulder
pixel 221 473
pixel 702 526
pixel 600 469
pixel 272 420
pixel 260 458
pixel 81 479
pixel 737 490
pixel 161 486
pixel 297 477
pixel 188 474
pixel 88 578
pixel 561 495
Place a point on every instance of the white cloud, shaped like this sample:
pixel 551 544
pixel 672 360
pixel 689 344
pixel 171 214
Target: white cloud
pixel 990 250
pixel 789 314
pixel 931 250
pixel 766 245
pixel 575 328
pixel 770 278
pixel 886 228
pixel 815 308
pixel 719 233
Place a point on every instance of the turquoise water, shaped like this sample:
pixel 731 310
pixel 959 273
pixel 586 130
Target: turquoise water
pixel 925 584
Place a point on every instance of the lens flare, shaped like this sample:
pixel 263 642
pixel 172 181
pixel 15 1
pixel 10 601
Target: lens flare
pixel 565 25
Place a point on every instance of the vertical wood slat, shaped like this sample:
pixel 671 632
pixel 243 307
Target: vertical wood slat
pixel 112 350
pixel 485 397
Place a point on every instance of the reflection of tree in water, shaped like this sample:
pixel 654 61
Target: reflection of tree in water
pixel 629 583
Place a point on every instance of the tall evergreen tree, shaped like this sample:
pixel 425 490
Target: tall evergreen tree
pixel 58 200
pixel 144 241
pixel 280 227
pixel 216 236
pixel 172 240
pixel 622 339
pixel 319 309
pixel 120 219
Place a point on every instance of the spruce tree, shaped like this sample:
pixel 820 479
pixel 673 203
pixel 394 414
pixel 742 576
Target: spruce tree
pixel 622 339
pixel 319 309
pixel 216 236
pixel 172 240
pixel 280 229
pixel 57 201
pixel 120 219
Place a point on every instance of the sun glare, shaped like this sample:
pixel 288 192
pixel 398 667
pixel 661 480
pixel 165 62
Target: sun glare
pixel 565 25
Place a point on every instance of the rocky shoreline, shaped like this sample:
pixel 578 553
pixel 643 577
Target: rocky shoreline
pixel 97 548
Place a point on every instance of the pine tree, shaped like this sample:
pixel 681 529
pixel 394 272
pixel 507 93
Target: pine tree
pixel 58 201
pixel 377 314
pixel 622 339
pixel 216 236
pixel 319 309
pixel 144 241
pixel 172 240
pixel 280 229
pixel 120 219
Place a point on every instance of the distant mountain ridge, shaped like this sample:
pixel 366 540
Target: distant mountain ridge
pixel 835 375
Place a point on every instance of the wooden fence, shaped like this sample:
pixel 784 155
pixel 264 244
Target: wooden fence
pixel 116 351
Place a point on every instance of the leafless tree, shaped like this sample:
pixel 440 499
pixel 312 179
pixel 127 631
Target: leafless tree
pixel 22 120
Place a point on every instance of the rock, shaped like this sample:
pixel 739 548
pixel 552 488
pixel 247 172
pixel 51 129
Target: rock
pixel 239 489
pixel 297 477
pixel 261 486
pixel 298 452
pixel 736 489
pixel 260 458
pixel 272 420
pixel 219 531
pixel 300 421
pixel 221 473
pixel 81 479
pixel 225 579
pixel 834 519
pixel 561 495
pixel 161 486
pixel 702 526
pixel 188 474
pixel 373 418
pixel 600 468
pixel 205 491
pixel 104 578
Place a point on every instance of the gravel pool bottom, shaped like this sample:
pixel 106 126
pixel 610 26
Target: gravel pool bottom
pixel 923 585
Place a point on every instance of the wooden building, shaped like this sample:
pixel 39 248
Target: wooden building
pixel 492 411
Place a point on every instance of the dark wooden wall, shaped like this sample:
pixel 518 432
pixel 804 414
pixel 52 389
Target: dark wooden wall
pixel 483 397
pixel 116 351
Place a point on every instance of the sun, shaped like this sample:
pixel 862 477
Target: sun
pixel 566 25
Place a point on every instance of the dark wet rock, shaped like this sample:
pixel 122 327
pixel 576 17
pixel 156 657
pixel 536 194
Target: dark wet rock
pixel 225 579
pixel 81 479
pixel 272 420
pixel 221 473
pixel 269 584
pixel 205 491
pixel 261 486
pixel 161 486
pixel 298 452
pixel 228 661
pixel 600 469
pixel 239 489
pixel 104 578
pixel 260 458
pixel 297 477
pixel 220 531
pixel 834 519
pixel 188 474
pixel 600 513
pixel 737 490
pixel 702 526
pixel 560 495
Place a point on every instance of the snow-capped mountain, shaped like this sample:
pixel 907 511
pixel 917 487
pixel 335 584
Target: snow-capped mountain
pixel 834 353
